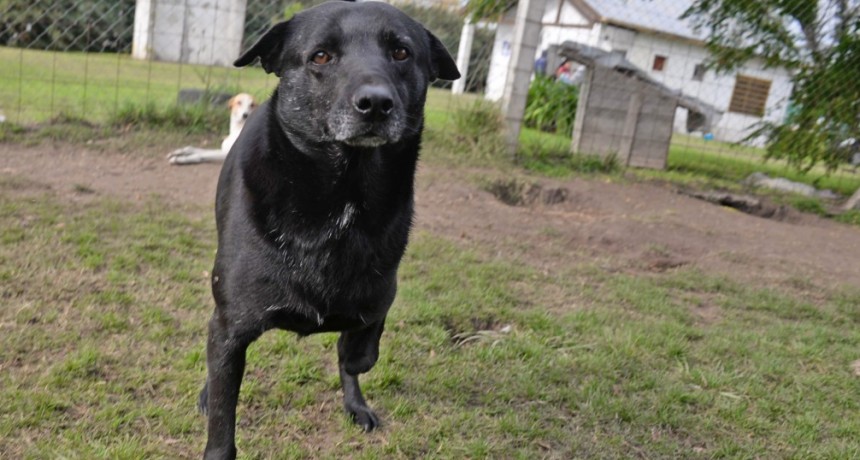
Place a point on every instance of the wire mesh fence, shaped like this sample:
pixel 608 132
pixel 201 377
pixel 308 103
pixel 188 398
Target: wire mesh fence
pixel 740 86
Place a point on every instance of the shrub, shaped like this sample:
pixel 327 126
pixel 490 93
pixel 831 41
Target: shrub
pixel 194 118
pixel 67 25
pixel 479 127
pixel 551 105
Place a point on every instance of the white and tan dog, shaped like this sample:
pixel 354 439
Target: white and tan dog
pixel 241 106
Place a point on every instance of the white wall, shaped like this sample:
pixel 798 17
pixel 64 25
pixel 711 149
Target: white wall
pixel 682 58
pixel 714 89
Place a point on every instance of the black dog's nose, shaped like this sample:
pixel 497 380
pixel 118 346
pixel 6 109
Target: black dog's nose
pixel 373 100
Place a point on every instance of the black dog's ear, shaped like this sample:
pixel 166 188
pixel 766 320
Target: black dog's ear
pixel 442 65
pixel 269 48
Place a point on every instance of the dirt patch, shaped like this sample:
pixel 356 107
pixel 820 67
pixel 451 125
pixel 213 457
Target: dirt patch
pixel 93 172
pixel 616 225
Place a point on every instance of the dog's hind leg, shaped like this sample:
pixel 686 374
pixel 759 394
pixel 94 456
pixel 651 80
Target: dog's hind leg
pixel 357 352
pixel 225 363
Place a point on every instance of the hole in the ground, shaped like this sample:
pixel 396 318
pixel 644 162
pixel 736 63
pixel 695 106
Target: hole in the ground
pixel 517 193
pixel 744 203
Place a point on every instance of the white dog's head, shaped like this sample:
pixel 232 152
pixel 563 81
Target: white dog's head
pixel 241 106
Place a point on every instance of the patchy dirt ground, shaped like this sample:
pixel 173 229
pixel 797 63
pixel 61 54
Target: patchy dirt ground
pixel 619 226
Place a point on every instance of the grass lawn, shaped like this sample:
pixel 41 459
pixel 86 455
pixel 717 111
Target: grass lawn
pixel 691 161
pixel 39 85
pixel 102 352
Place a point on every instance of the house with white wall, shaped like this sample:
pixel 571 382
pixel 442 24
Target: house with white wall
pixel 651 35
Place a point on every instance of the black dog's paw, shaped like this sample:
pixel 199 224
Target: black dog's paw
pixel 203 400
pixel 363 417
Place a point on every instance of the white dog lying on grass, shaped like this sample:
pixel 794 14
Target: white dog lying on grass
pixel 241 106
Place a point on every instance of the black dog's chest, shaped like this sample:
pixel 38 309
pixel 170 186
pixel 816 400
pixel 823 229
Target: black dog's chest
pixel 311 240
pixel 330 277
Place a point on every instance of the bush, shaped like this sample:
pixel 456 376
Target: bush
pixel 479 128
pixel 67 25
pixel 551 105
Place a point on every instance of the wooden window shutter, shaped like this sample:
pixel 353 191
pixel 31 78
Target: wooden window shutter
pixel 750 96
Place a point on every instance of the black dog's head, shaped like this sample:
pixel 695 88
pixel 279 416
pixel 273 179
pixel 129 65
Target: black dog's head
pixel 351 73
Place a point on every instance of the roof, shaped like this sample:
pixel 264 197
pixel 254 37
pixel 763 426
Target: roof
pixel 659 16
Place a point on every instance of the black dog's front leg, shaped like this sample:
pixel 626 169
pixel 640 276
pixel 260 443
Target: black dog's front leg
pixel 225 363
pixel 357 352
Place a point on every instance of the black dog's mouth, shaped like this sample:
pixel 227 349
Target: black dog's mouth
pixel 367 135
pixel 367 140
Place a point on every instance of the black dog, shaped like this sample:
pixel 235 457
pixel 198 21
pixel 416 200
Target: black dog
pixel 315 200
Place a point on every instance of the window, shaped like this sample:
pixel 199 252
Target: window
pixel 750 96
pixel 659 63
pixel 699 72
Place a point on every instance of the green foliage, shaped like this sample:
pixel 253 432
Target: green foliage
pixel 68 25
pixel 551 105
pixel 740 30
pixel 291 9
pixel 488 9
pixel 819 42
pixel 827 111
pixel 102 25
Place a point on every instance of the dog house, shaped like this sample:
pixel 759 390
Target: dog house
pixel 622 112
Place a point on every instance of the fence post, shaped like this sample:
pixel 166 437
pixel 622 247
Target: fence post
pixel 464 55
pixel 524 49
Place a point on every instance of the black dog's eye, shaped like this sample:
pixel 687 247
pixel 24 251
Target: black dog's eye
pixel 400 54
pixel 321 57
